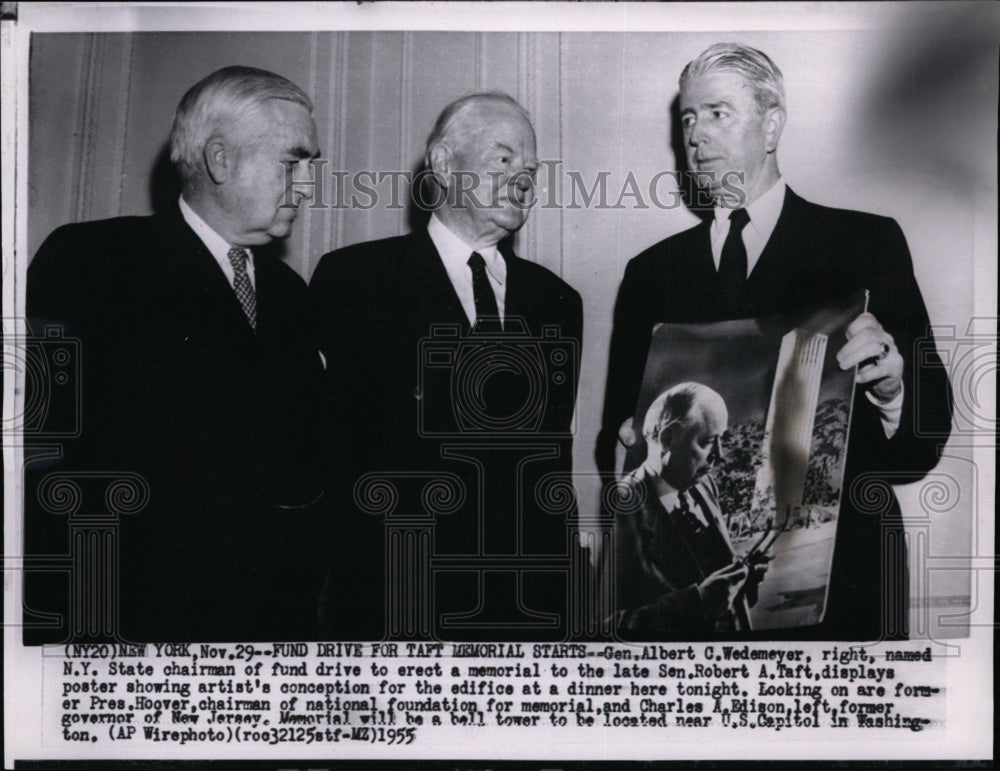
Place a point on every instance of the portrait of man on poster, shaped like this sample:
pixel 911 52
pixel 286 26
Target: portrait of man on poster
pixel 676 574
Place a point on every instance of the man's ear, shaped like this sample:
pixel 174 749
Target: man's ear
pixel 440 163
pixel 218 159
pixel 666 435
pixel 774 124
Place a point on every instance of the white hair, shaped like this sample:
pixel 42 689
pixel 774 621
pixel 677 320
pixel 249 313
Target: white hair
pixel 756 66
pixel 215 103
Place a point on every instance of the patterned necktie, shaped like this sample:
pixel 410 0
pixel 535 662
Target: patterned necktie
pixel 733 265
pixel 242 286
pixel 689 516
pixel 487 314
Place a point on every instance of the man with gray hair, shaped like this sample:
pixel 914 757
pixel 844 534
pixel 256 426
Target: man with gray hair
pixel 199 374
pixel 458 287
pixel 767 251
pixel 676 576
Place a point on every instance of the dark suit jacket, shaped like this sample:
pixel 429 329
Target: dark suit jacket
pixel 659 564
pixel 373 304
pixel 219 421
pixel 815 255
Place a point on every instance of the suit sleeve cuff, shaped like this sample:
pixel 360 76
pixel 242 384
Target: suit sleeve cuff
pixel 890 413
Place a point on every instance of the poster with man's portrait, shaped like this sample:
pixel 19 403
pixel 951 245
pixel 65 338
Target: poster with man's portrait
pixel 763 408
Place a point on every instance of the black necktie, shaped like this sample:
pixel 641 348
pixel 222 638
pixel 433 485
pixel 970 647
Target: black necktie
pixel 487 314
pixel 733 265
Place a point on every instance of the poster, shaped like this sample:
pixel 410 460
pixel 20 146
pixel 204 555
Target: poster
pixel 774 389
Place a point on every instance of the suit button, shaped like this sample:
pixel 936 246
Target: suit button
pixel 418 393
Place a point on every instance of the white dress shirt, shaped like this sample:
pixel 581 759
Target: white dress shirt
pixel 670 497
pixel 455 253
pixel 216 244
pixel 764 213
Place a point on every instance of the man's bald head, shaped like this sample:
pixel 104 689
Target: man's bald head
pixel 462 117
pixel 679 406
pixel 684 428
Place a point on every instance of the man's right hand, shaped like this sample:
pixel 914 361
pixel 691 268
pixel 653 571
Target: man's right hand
pixel 719 590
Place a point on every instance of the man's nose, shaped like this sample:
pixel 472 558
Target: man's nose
pixel 696 134
pixel 303 183
pixel 717 452
pixel 523 181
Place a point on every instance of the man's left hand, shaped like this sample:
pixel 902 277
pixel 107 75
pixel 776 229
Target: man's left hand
pixel 873 351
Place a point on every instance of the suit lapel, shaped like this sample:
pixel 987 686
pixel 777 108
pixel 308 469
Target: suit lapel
pixel 764 289
pixel 669 546
pixel 265 287
pixel 777 262
pixel 430 284
pixel 696 284
pixel 710 506
pixel 198 285
pixel 514 303
pixel 704 263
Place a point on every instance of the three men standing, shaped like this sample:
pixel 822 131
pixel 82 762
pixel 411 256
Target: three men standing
pixel 201 371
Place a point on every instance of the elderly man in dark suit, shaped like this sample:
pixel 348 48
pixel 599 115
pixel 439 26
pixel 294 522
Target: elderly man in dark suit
pixel 199 374
pixel 676 575
pixel 766 250
pixel 491 405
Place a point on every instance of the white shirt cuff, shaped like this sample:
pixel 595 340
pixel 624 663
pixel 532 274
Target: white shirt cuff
pixel 890 412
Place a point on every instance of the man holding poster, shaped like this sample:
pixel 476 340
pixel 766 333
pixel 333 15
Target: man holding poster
pixel 766 251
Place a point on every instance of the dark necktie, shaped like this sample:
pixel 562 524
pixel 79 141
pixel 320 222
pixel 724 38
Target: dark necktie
pixel 689 516
pixel 242 286
pixel 487 314
pixel 733 265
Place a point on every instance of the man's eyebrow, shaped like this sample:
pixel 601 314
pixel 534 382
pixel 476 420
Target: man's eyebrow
pixel 302 152
pixel 502 146
pixel 706 106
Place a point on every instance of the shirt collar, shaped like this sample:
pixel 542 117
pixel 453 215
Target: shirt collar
pixel 670 496
pixel 455 252
pixel 216 244
pixel 764 211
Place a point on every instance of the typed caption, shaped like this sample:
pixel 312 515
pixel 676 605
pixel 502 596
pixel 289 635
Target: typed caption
pixel 406 693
